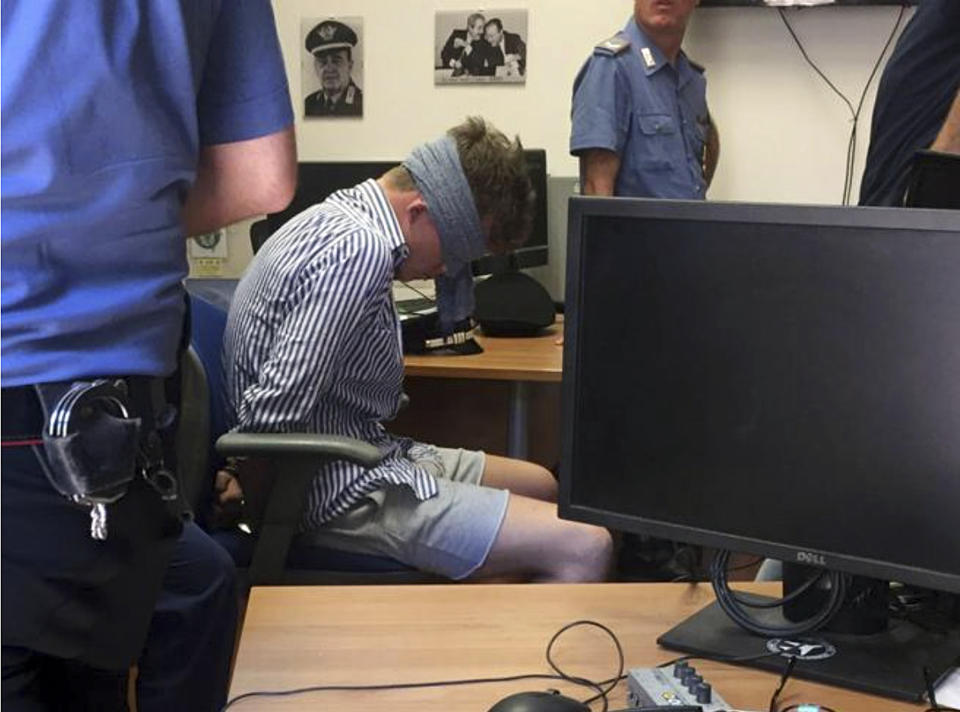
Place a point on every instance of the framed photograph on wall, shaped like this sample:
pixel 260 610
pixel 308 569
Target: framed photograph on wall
pixel 480 46
pixel 331 68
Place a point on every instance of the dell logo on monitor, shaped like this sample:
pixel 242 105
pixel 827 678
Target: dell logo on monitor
pixel 809 557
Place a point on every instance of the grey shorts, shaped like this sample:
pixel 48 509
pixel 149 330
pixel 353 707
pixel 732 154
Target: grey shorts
pixel 450 534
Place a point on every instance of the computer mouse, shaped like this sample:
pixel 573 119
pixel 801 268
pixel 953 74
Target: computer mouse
pixel 539 702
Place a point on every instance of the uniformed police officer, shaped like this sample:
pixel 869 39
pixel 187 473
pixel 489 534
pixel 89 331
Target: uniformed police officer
pixel 640 122
pixel 99 186
pixel 331 43
pixel 917 104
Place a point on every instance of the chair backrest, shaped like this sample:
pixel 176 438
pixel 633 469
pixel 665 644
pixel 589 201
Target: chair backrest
pixel 194 448
pixel 207 323
pixel 203 401
pixel 259 232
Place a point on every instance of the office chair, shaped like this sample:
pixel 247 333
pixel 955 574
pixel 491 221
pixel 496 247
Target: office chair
pixel 934 181
pixel 276 554
pixel 259 232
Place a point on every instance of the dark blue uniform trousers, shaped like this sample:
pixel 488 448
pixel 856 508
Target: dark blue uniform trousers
pixel 63 607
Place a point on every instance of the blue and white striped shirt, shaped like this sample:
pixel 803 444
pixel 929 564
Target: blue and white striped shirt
pixel 312 343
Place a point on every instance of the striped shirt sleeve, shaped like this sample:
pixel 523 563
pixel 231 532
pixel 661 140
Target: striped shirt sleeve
pixel 308 346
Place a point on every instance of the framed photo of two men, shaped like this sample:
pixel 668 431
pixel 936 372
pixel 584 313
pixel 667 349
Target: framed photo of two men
pixel 331 66
pixel 480 46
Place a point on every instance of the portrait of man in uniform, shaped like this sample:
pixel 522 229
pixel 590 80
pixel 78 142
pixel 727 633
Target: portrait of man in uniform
pixel 332 71
pixel 480 46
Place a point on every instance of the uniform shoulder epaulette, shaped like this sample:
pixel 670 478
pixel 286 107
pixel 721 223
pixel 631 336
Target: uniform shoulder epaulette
pixel 696 67
pixel 617 44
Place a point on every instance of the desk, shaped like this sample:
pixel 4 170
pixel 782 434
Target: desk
pixel 516 360
pixel 300 636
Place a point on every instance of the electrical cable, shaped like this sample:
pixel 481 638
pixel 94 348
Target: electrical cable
pixel 719 659
pixel 854 113
pixel 614 681
pixel 559 675
pixel 604 687
pixel 789 598
pixel 695 575
pixel 733 605
pixel 389 686
pixel 414 289
pixel 784 676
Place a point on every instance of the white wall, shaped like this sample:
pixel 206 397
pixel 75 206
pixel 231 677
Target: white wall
pixel 783 132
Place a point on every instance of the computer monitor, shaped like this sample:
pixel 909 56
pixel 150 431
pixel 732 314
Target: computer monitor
pixel 781 380
pixel 317 180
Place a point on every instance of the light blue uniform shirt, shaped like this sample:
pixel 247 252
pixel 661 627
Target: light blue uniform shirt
pixel 105 106
pixel 651 113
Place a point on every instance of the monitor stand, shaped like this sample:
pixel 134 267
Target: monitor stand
pixel 889 663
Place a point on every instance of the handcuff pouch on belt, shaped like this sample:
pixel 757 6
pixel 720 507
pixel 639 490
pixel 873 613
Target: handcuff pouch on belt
pixel 95 448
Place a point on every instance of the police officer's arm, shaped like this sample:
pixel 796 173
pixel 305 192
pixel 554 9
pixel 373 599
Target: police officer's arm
pixel 240 179
pixel 711 152
pixel 598 171
pixel 600 117
pixel 247 159
pixel 948 140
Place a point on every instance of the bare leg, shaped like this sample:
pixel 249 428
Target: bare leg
pixel 537 544
pixel 520 477
pixel 533 541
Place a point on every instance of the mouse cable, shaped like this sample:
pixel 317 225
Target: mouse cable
pixel 560 675
pixel 390 686
pixel 613 682
pixel 854 113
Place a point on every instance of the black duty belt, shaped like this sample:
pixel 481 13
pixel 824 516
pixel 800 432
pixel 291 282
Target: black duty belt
pixel 23 418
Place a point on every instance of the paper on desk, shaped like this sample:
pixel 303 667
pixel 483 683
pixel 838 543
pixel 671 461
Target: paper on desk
pixel 786 3
pixel 948 692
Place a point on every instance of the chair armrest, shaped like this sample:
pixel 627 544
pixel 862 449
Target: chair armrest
pixel 306 445
pixel 296 459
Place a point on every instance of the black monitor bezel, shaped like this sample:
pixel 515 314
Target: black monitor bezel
pixel 581 209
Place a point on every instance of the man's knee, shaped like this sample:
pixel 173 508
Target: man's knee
pixel 591 553
pixel 546 482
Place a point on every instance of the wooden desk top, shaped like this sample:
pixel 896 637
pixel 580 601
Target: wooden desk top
pixel 535 358
pixel 301 636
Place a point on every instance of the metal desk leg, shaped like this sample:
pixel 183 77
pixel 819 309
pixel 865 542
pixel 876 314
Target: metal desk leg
pixel 517 420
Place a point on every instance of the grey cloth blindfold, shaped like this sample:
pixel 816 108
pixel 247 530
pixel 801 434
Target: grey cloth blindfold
pixel 438 175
